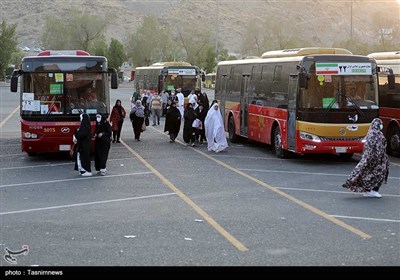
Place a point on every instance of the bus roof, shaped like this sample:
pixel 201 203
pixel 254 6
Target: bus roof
pixel 385 55
pixel 161 65
pixel 172 63
pixel 260 60
pixel 304 51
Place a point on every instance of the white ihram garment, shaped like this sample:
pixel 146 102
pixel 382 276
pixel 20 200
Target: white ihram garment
pixel 215 134
pixel 181 102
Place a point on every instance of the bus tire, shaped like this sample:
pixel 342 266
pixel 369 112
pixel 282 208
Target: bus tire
pixel 233 138
pixel 393 138
pixel 279 151
pixel 31 154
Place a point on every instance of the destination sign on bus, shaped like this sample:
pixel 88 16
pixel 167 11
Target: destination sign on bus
pixel 343 68
pixel 177 71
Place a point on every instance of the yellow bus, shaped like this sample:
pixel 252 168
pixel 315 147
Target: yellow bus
pixel 209 81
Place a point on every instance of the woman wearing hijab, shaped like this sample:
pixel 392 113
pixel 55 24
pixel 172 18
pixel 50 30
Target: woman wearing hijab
pixel 172 122
pixel 102 138
pixel 214 126
pixel 373 169
pixel 188 130
pixel 137 118
pixel 83 138
pixel 117 119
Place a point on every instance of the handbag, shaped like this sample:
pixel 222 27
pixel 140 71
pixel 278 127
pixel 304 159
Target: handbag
pixel 143 126
pixel 197 124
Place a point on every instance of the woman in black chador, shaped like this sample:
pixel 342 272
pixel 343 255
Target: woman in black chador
pixel 188 130
pixel 102 137
pixel 83 138
pixel 173 122
pixel 373 169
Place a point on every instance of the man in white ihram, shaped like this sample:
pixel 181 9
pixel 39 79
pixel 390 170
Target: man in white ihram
pixel 215 134
pixel 181 101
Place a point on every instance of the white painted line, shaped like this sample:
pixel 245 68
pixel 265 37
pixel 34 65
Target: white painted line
pixel 11 155
pixel 53 164
pixel 368 219
pixel 303 173
pixel 326 191
pixel 74 179
pixel 85 204
pixel 248 157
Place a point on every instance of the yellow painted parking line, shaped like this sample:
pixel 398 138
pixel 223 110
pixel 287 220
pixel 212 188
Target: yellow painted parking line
pixel 288 196
pixel 186 199
pixel 8 117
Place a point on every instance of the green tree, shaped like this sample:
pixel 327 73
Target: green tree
pixel 99 47
pixel 8 45
pixel 116 55
pixel 78 31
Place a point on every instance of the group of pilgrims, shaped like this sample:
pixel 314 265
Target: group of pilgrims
pixel 202 123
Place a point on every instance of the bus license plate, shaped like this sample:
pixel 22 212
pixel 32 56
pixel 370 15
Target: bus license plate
pixel 340 149
pixel 65 147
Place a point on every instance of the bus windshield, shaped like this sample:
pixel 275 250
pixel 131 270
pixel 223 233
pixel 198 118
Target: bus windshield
pixel 56 93
pixel 339 91
pixel 185 82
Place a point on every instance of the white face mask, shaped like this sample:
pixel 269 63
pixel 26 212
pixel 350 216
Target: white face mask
pixel 98 118
pixel 381 126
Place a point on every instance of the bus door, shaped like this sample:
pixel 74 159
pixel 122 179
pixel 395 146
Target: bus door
pixel 244 100
pixel 292 99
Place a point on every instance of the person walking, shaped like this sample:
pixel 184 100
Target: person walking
pixel 172 122
pixel 117 116
pixel 215 133
pixel 137 118
pixel 156 108
pixel 83 138
pixel 102 138
pixel 188 131
pixel 373 169
pixel 200 131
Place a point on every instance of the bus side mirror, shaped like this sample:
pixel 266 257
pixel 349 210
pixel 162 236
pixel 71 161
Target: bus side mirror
pixel 391 81
pixel 203 77
pixel 14 84
pixel 303 80
pixel 114 80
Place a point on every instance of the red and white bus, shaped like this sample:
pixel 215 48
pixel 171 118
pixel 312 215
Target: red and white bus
pixel 55 88
pixel 389 98
pixel 306 100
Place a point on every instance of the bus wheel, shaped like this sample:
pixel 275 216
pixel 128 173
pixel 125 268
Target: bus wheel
pixel 31 154
pixel 279 152
pixel 346 155
pixel 233 138
pixel 393 137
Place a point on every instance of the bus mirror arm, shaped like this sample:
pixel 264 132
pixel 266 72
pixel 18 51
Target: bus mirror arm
pixel 391 79
pixel 14 80
pixel 303 80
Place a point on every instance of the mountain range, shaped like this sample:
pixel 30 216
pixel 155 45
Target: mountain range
pixel 322 22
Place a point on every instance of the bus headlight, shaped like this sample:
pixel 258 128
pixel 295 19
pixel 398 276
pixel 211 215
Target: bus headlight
pixel 28 135
pixel 309 136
